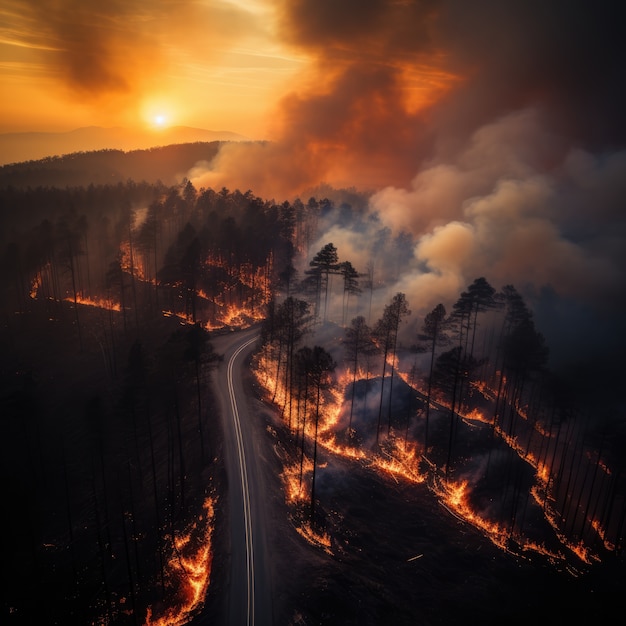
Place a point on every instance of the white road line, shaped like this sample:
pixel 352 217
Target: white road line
pixel 243 471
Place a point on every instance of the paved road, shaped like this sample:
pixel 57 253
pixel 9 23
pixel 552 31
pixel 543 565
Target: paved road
pixel 249 589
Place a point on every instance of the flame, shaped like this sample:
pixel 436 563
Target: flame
pixel 137 265
pixel 400 459
pixel 101 303
pixel 35 285
pixel 314 537
pixel 188 572
pixel 294 483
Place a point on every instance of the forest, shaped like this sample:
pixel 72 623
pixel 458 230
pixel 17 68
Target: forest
pixel 111 294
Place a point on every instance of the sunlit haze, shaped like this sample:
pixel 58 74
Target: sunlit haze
pixel 486 133
pixel 219 65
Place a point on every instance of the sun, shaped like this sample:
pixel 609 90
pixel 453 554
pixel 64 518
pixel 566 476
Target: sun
pixel 160 120
pixel 158 113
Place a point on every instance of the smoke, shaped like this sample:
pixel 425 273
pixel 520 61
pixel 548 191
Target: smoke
pixel 496 210
pixel 100 50
pixel 355 117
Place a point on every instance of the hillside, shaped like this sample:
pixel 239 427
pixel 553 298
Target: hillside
pixel 17 147
pixel 168 164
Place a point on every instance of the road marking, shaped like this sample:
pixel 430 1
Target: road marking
pixel 243 472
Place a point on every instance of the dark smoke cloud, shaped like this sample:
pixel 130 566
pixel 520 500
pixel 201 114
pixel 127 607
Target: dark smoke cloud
pixel 491 58
pixel 562 57
pixel 367 30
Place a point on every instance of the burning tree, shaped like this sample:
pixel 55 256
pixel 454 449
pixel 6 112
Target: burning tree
pixel 318 366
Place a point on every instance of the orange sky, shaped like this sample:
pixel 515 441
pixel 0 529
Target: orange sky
pixel 220 65
pixel 210 64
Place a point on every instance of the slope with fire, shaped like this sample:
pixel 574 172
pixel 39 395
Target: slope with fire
pixel 110 294
pixel 469 408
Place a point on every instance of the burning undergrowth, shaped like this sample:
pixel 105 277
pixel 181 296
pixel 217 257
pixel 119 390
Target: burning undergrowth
pixel 188 571
pixel 482 472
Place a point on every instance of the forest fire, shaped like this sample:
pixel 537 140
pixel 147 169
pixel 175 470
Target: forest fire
pixel 293 477
pixel 234 317
pixel 296 479
pixel 400 458
pixel 188 572
pixel 314 537
pixel 455 498
pixel 100 303
pixel 456 408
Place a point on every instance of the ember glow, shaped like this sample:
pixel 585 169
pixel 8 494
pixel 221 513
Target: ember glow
pixel 188 572
pixel 100 303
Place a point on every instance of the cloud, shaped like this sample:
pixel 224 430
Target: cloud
pixel 495 210
pixel 99 49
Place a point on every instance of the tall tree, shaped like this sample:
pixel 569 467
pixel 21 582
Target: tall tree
pixel 479 297
pixel 304 359
pixel 320 373
pixel 386 335
pixel 199 351
pixel 350 286
pixel 147 240
pixel 524 352
pixel 114 280
pixel 190 269
pixel 451 369
pixel 283 329
pixel 69 250
pixel 433 331
pixel 323 264
pixel 294 320
pixel 358 343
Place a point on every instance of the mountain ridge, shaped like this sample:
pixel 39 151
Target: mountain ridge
pixel 17 147
pixel 168 164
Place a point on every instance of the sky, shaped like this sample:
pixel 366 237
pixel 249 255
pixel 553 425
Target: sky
pixel 491 132
pixel 68 63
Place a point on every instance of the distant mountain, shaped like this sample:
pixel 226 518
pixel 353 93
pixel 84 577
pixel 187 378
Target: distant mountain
pixel 19 147
pixel 168 164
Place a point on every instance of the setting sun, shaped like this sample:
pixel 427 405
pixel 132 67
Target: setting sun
pixel 160 120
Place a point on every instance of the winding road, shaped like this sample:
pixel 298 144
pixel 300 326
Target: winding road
pixel 249 600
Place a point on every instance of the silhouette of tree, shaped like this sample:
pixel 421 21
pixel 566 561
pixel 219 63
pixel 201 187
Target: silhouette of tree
pixel 386 335
pixel 323 264
pixel 433 331
pixel 319 370
pixel 358 343
pixel 293 320
pixel 69 249
pixel 350 286
pixel 199 351
pixel 451 369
